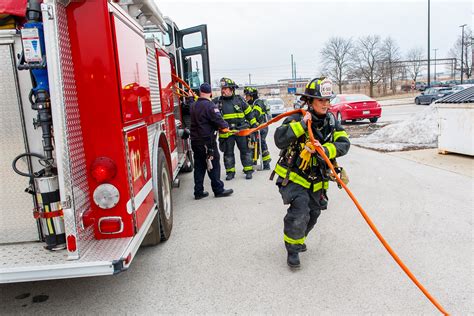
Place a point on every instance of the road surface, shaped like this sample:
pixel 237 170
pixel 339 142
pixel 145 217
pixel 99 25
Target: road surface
pixel 227 255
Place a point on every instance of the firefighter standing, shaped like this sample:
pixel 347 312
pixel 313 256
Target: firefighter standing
pixel 261 112
pixel 238 114
pixel 302 173
pixel 205 121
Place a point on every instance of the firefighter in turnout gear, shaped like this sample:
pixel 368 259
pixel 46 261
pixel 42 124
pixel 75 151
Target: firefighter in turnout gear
pixel 238 114
pixel 261 112
pixel 302 173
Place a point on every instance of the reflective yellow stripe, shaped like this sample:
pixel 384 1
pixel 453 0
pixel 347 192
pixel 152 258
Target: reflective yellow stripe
pixel 225 135
pixel 338 134
pixel 267 157
pixel 248 168
pixel 293 241
pixel 331 149
pixel 320 185
pixel 253 121
pixel 233 116
pixel 248 110
pixel 230 170
pixel 297 128
pixel 259 109
pixel 294 177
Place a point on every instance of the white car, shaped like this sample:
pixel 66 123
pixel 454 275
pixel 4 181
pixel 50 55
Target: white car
pixel 277 106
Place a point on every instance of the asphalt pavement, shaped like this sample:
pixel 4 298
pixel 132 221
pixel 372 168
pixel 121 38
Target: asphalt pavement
pixel 226 255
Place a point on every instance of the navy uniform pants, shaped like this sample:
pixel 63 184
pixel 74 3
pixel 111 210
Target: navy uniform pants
pixel 227 145
pixel 200 168
pixel 302 215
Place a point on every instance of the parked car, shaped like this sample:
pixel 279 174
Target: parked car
pixel 432 94
pixel 420 86
pixel 355 107
pixel 460 87
pixel 277 106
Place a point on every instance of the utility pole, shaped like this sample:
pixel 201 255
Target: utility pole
pixel 292 67
pixel 429 66
pixel 250 79
pixel 462 51
pixel 294 77
pixel 435 49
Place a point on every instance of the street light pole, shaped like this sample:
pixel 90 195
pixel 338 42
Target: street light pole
pixel 429 66
pixel 435 49
pixel 462 51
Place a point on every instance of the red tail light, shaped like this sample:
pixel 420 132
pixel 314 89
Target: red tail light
pixel 103 169
pixel 110 225
pixel 71 243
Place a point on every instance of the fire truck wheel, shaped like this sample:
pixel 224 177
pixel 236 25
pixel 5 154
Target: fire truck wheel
pixel 188 165
pixel 165 201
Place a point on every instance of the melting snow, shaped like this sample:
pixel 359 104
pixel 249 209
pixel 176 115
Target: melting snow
pixel 420 131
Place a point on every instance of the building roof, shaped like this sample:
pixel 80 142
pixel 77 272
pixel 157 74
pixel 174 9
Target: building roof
pixel 463 96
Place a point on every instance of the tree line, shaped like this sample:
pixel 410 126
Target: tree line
pixel 376 60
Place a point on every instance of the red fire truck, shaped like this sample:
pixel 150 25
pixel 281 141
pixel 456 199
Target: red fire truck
pixel 95 132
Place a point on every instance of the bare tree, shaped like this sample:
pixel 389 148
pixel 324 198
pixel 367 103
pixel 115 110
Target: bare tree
pixel 391 56
pixel 335 55
pixel 415 57
pixel 455 52
pixel 368 57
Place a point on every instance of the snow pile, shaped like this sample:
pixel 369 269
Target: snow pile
pixel 420 131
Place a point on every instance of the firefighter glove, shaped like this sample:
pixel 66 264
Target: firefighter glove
pixel 305 155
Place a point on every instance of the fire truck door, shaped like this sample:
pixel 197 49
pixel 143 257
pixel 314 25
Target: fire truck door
pixel 194 55
pixel 141 200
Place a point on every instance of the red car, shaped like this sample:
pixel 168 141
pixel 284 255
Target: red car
pixel 355 107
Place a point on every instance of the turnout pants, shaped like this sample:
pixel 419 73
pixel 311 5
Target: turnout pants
pixel 200 168
pixel 302 215
pixel 227 146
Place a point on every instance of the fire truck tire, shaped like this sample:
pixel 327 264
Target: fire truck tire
pixel 188 165
pixel 165 200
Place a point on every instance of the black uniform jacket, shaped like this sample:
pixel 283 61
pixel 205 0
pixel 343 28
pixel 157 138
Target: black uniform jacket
pixel 261 110
pixel 293 134
pixel 206 119
pixel 236 111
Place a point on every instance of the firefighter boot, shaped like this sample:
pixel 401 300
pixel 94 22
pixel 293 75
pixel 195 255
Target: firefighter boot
pixel 266 165
pixel 230 176
pixel 248 175
pixel 293 260
pixel 303 248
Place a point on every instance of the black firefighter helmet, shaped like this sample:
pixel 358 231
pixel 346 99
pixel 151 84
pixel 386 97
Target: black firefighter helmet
pixel 318 88
pixel 251 91
pixel 228 83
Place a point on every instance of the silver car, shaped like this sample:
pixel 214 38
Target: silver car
pixel 277 106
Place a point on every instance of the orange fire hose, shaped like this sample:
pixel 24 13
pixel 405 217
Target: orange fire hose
pixel 322 153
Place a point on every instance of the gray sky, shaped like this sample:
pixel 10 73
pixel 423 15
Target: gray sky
pixel 258 37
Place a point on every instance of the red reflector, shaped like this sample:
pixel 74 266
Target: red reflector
pixel 71 243
pixel 128 259
pixel 110 225
pixel 103 169
pixel 87 219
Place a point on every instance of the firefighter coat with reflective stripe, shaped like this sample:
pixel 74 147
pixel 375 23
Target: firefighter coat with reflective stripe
pixel 236 112
pixel 291 137
pixel 260 110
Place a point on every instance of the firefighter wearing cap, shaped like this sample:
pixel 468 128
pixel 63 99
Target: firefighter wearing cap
pixel 261 112
pixel 302 173
pixel 238 114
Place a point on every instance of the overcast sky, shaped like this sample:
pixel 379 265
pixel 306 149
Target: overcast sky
pixel 258 37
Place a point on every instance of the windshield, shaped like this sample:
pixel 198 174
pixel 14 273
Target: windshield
pixel 357 97
pixel 275 101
